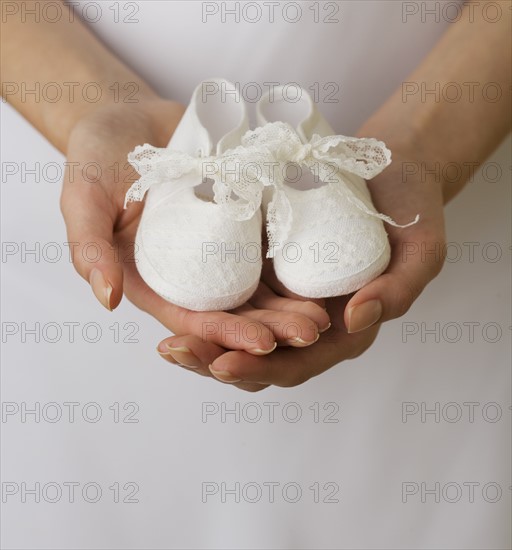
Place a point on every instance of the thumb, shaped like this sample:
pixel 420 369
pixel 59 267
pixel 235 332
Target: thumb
pixel 414 263
pixel 89 214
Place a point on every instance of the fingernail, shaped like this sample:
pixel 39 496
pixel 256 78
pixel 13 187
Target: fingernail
pixel 223 375
pixel 258 351
pixel 325 329
pixel 364 315
pixel 102 290
pixel 184 357
pixel 167 355
pixel 301 342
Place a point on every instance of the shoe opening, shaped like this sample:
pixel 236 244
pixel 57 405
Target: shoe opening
pixel 204 190
pixel 220 110
pixel 292 107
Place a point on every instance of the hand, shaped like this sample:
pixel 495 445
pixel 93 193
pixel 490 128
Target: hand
pixel 96 181
pixel 417 257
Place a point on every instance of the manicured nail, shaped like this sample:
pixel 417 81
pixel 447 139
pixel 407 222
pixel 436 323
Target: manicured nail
pixel 223 375
pixel 364 315
pixel 102 290
pixel 167 355
pixel 184 357
pixel 300 342
pixel 259 351
pixel 325 329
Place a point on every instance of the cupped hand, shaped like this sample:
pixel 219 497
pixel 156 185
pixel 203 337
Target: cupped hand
pixel 102 234
pixel 417 257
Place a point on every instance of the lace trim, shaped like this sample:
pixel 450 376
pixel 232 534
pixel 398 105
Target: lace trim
pixel 240 174
pixel 324 157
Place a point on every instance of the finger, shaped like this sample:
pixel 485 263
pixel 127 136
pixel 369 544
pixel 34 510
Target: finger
pixel 415 261
pixel 89 216
pixel 193 354
pixel 265 298
pixel 217 327
pixel 268 275
pixel 288 367
pixel 291 329
pixel 253 388
pixel 190 351
pixel 417 252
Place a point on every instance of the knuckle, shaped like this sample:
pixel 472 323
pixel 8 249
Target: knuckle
pixel 184 322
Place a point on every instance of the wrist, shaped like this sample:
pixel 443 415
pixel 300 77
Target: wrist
pixel 86 96
pixel 415 157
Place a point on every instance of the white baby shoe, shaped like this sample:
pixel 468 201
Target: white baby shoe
pixel 328 239
pixel 201 251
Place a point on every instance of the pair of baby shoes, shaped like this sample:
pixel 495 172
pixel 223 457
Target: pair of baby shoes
pixel 199 244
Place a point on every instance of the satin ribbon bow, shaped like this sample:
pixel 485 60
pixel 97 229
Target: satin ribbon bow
pixel 237 174
pixel 327 158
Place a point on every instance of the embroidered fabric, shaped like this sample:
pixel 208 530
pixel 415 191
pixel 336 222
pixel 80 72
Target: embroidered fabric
pixel 240 174
pixel 325 157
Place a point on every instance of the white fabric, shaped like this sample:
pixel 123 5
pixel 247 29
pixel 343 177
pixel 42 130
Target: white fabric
pixel 361 250
pixel 195 256
pixel 199 254
pixel 328 241
pixel 333 249
pixel 328 158
pixel 173 449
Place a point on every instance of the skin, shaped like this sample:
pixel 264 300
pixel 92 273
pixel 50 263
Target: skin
pixel 416 131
